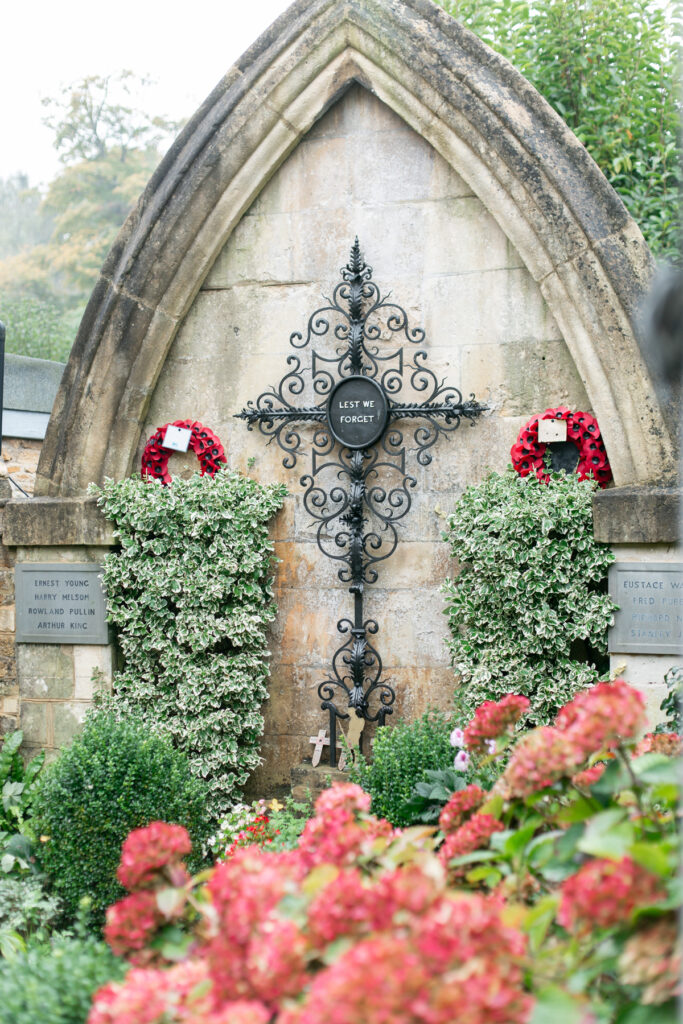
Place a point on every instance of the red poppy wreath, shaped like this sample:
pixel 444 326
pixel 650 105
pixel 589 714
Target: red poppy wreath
pixel 203 442
pixel 582 428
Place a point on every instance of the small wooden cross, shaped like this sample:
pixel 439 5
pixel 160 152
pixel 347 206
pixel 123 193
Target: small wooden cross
pixel 323 740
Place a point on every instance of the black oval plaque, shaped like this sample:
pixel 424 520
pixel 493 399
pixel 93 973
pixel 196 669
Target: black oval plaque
pixel 357 412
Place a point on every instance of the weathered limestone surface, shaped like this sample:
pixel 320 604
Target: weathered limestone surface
pixel 647 671
pixel 479 209
pixel 45 689
pixel 637 515
pixel 362 170
pixel 531 175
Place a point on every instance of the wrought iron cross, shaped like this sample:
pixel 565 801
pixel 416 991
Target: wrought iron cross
pixel 358 458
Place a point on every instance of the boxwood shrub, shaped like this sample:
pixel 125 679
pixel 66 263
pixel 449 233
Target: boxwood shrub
pixel 117 775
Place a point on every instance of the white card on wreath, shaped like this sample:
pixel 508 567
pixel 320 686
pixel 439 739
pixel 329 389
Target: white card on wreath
pixel 177 439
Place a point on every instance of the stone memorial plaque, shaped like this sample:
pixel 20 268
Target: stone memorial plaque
pixel 358 412
pixel 58 603
pixel 650 599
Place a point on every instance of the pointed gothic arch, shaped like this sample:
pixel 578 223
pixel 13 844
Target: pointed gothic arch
pixel 479 114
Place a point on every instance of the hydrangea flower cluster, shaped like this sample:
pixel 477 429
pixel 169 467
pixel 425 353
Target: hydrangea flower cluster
pixel 147 850
pixel 652 958
pixel 540 758
pixel 603 716
pixel 261 950
pixel 473 835
pixel 492 719
pixel 604 893
pixel 668 743
pixel 460 806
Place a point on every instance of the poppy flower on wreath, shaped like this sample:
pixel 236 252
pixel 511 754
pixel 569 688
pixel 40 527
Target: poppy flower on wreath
pixel 203 442
pixel 582 429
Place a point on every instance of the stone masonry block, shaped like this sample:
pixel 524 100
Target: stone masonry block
pixel 7 618
pixel 87 660
pixel 45 671
pixel 34 723
pixel 8 666
pixel 68 720
pixel 6 586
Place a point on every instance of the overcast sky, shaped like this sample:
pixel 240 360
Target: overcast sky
pixel 48 44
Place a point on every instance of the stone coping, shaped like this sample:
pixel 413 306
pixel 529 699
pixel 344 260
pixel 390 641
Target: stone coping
pixel 55 522
pixel 645 514
pixel 636 514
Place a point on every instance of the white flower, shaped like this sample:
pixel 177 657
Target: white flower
pixel 457 738
pixel 491 746
pixel 462 759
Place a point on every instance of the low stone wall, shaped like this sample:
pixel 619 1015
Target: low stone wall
pixel 20 457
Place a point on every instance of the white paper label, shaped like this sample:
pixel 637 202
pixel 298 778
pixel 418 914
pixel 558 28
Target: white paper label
pixel 177 439
pixel 552 430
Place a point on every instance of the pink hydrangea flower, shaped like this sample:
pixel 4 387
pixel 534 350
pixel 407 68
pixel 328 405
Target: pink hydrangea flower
pixel 604 894
pixel 460 806
pixel 147 850
pixel 492 719
pixel 131 922
pixel 473 835
pixel 603 716
pixel 539 759
pixel 668 743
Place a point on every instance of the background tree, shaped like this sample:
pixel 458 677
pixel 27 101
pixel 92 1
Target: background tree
pixel 610 69
pixel 53 246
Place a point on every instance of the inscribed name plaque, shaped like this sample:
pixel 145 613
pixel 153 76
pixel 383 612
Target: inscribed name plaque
pixel 357 412
pixel 650 599
pixel 60 603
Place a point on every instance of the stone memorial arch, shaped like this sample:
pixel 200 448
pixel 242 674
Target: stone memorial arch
pixel 494 229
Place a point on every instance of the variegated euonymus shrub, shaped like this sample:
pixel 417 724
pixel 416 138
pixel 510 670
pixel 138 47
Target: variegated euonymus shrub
pixel 189 592
pixel 528 610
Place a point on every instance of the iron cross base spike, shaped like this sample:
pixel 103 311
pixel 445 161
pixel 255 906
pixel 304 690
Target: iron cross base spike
pixel 358 456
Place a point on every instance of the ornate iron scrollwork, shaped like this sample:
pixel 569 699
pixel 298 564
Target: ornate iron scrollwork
pixel 358 488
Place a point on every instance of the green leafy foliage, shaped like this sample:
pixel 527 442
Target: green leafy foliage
pixel 116 776
pixel 55 982
pixel 26 910
pixel 403 755
pixel 610 70
pixel 429 796
pixel 190 594
pixel 38 327
pixel 52 246
pixel 671 705
pixel 17 789
pixel 528 612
